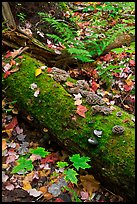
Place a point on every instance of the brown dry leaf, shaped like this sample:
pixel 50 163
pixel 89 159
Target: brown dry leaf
pixel 26 185
pixel 3 103
pixel 4 144
pixel 29 177
pixel 15 111
pixel 45 192
pixel 44 172
pixel 89 183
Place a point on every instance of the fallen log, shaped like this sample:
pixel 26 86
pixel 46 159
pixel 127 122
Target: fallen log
pixel 112 160
pixel 16 38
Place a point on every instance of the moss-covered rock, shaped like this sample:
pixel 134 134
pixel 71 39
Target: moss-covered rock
pixel 113 160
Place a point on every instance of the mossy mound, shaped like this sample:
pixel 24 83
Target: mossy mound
pixel 113 160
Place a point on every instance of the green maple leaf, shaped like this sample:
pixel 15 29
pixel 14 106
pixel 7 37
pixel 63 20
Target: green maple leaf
pixel 62 164
pixel 39 151
pixel 71 175
pixel 24 166
pixel 80 162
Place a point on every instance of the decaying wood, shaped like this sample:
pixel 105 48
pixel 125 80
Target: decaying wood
pixel 17 38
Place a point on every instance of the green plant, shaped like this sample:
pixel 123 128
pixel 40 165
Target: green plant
pixel 21 16
pixel 67 36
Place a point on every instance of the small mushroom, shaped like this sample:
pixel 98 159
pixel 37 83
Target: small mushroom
pixel 98 133
pixel 117 129
pixel 93 141
pixel 119 114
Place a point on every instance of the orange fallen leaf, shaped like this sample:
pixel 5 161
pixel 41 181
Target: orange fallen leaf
pixel 81 110
pixel 70 84
pixel 26 185
pixel 4 144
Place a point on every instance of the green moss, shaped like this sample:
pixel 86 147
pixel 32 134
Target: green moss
pixel 54 108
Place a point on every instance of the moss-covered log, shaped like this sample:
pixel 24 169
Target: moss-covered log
pixel 113 160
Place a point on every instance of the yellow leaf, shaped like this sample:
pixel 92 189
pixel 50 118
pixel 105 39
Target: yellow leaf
pixel 26 185
pixel 129 82
pixel 4 144
pixel 38 72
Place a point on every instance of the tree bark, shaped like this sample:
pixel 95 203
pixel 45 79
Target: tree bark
pixel 7 15
pixel 112 160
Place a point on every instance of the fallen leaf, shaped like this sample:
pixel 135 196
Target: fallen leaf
pixel 7 73
pixel 132 63
pixel 20 57
pixel 26 185
pixel 81 110
pixel 12 124
pixel 10 187
pixel 95 86
pixel 127 88
pixel 4 177
pixel 77 96
pixel 49 70
pixel 4 144
pixel 33 192
pixel 19 130
pixel 77 102
pixel 84 195
pixel 89 183
pixel 8 54
pixel 38 72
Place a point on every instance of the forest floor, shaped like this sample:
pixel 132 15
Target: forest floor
pixel 18 136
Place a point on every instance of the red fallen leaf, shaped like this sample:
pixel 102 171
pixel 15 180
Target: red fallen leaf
pixel 113 23
pixel 50 158
pixel 9 53
pixel 127 88
pixel 12 124
pixel 122 55
pixel 49 70
pixel 94 86
pixel 81 110
pixel 58 200
pixel 20 57
pixel 107 57
pixel 132 63
pixel 7 73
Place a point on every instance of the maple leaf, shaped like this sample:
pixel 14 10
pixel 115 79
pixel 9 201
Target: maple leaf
pixel 127 88
pixel 81 110
pixel 24 165
pixel 40 151
pixel 71 175
pixel 80 162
